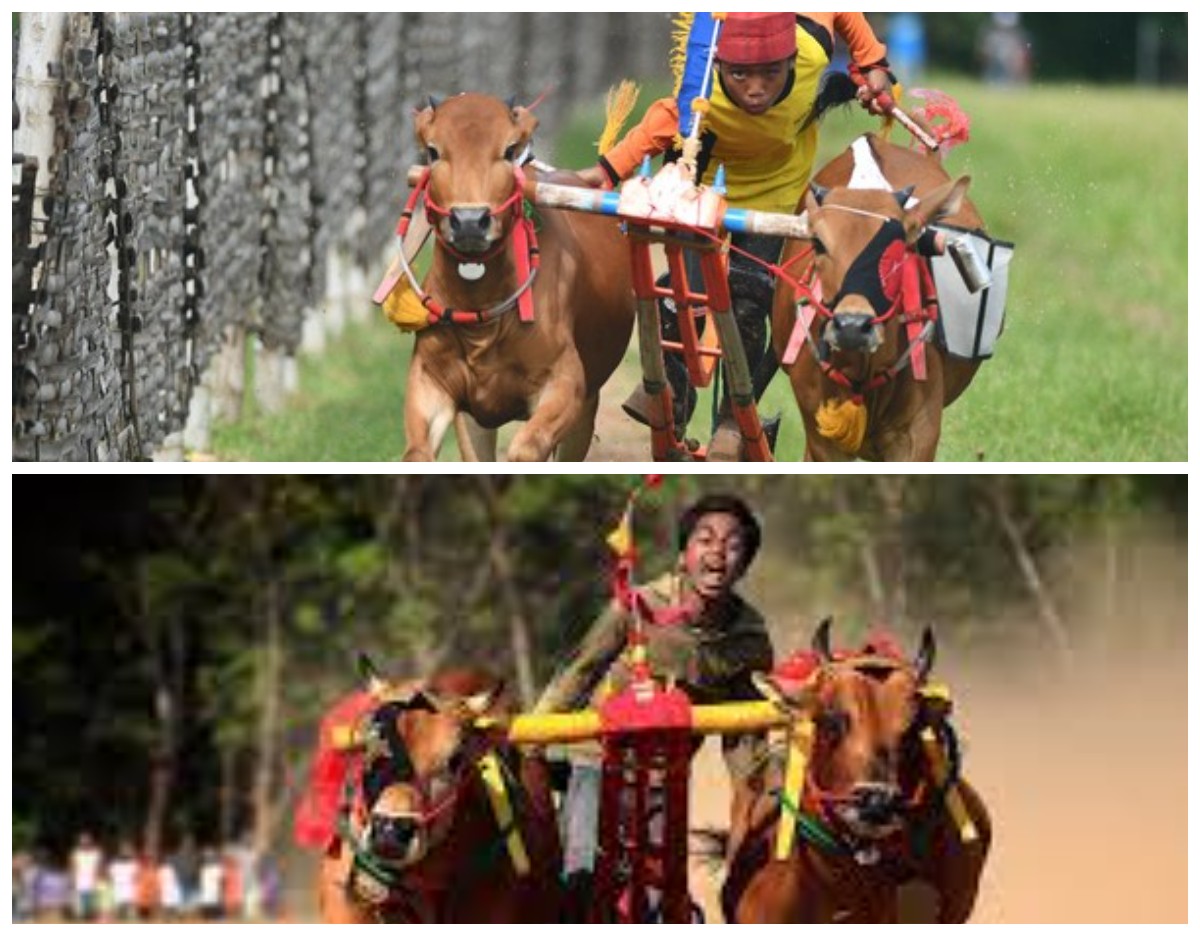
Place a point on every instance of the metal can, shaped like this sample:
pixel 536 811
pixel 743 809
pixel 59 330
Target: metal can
pixel 971 266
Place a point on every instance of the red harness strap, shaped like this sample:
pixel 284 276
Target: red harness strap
pixel 523 239
pixel 917 299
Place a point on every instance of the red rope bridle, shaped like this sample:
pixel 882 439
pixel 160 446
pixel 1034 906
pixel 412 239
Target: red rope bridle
pixel 527 256
pixel 916 305
pixel 917 299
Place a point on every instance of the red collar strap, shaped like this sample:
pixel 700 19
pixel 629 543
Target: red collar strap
pixel 527 256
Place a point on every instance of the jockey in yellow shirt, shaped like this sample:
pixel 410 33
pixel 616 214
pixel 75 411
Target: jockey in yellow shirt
pixel 762 124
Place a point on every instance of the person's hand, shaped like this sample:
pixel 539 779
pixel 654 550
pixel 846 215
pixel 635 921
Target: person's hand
pixel 595 177
pixel 876 92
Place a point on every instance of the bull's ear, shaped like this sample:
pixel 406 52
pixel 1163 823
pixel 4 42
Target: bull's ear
pixel 769 689
pixel 789 704
pixel 943 203
pixel 478 706
pixel 376 684
pixel 423 124
pixel 526 121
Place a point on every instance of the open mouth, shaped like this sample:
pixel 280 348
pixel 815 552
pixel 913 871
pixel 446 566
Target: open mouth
pixel 713 578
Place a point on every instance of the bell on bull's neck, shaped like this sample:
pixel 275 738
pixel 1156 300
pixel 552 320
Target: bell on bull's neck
pixel 971 266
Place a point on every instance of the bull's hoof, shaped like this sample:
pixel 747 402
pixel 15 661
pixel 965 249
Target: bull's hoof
pixel 644 409
pixel 727 443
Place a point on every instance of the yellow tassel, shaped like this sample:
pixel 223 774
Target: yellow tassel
pixel 405 310
pixel 621 101
pixel 679 48
pixel 844 423
pixel 889 123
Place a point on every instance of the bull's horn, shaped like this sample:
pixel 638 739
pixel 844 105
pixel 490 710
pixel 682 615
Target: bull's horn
pixel 905 196
pixel 436 101
pixel 376 684
pixel 512 102
pixel 927 657
pixel 823 641
pixel 820 193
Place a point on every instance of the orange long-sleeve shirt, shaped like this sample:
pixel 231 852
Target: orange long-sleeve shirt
pixel 769 159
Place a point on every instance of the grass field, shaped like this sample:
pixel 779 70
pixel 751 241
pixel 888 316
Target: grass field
pixel 1092 186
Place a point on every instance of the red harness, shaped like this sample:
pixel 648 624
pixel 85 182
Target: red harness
pixel 527 255
pixel 916 304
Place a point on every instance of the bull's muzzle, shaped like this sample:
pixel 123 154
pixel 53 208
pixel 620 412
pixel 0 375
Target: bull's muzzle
pixel 855 333
pixel 877 804
pixel 394 840
pixel 470 229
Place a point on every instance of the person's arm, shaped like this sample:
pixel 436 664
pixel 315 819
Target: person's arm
pixel 871 68
pixel 748 653
pixel 655 135
pixel 865 48
pixel 572 688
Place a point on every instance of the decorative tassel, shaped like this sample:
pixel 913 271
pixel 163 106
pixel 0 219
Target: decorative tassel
pixel 844 423
pixel 621 101
pixel 679 48
pixel 405 310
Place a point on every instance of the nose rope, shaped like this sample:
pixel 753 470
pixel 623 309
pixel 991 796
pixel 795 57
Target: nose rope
pixel 526 249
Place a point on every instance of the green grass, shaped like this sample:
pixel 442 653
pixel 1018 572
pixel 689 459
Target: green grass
pixel 351 407
pixel 1090 183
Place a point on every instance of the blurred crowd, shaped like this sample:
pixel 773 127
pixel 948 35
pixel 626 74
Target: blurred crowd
pixel 230 884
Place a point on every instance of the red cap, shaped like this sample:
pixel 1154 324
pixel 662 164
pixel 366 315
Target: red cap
pixel 757 38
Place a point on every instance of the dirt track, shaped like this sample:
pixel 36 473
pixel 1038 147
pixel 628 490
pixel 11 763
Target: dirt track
pixel 1086 777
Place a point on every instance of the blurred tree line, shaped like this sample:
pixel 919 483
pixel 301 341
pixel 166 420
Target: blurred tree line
pixel 175 640
pixel 1094 47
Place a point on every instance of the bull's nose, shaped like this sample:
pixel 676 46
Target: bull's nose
pixel 853 331
pixel 877 803
pixel 392 838
pixel 470 224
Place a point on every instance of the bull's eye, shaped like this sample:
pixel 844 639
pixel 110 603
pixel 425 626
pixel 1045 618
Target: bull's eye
pixel 820 248
pixel 432 153
pixel 511 154
pixel 833 724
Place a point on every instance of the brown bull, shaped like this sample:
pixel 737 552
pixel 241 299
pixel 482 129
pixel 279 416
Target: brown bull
pixel 874 818
pixel 856 381
pixel 505 367
pixel 421 841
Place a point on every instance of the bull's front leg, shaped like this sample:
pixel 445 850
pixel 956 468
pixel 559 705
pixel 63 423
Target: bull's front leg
pixel 557 408
pixel 429 412
pixel 918 441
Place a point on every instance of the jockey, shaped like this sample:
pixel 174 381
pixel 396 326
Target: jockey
pixel 762 125
pixel 711 647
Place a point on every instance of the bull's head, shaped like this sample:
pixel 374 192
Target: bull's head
pixel 865 709
pixel 473 144
pixel 422 745
pixel 861 239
